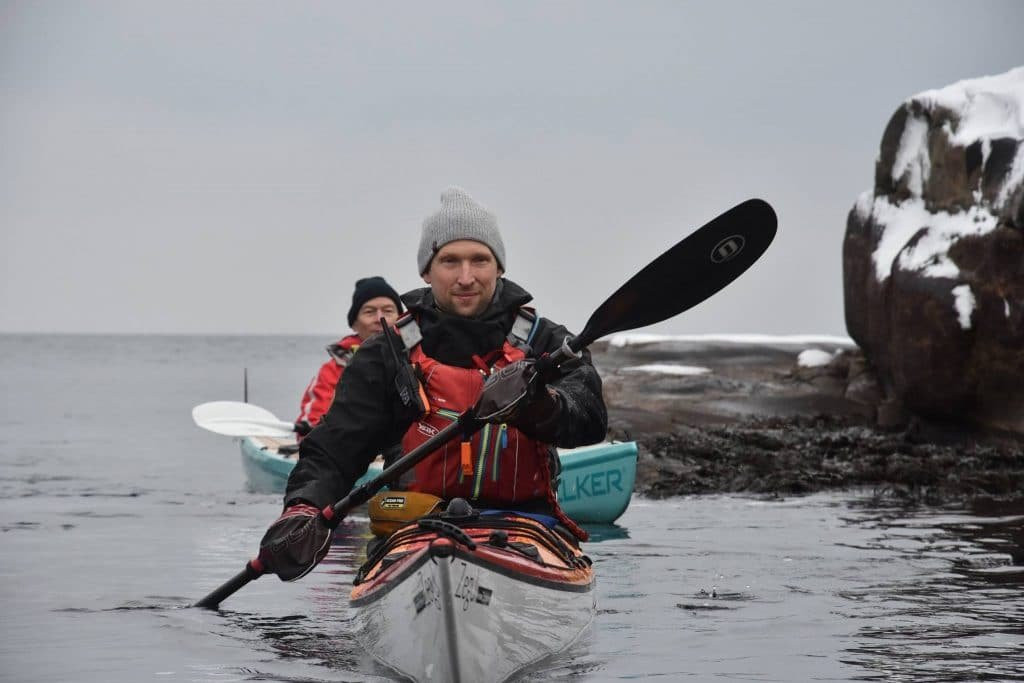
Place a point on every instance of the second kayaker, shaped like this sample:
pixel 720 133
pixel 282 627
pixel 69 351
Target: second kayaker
pixel 372 299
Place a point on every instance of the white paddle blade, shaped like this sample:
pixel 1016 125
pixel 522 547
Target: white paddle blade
pixel 233 418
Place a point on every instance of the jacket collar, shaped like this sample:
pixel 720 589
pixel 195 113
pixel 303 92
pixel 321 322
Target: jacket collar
pixel 344 347
pixel 453 339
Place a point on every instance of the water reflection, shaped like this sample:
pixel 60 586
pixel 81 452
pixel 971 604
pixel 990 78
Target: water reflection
pixel 321 634
pixel 960 616
pixel 606 532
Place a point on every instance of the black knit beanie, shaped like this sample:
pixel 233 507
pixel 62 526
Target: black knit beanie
pixel 370 288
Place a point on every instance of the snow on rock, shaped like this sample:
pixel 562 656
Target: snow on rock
pixel 928 254
pixel 979 122
pixel 933 257
pixel 963 301
pixel 986 108
pixel 912 157
pixel 976 124
pixel 668 369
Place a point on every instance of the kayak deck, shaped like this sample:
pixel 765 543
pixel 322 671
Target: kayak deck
pixel 472 599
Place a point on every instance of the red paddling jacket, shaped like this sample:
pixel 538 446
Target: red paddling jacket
pixel 320 393
pixel 499 463
pixel 452 354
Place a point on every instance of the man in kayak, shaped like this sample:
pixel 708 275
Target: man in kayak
pixel 372 299
pixel 469 324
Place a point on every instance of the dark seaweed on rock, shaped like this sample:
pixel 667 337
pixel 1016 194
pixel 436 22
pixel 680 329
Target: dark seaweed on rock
pixel 777 429
pixel 803 454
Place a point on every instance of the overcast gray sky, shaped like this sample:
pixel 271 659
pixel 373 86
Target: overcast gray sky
pixel 234 166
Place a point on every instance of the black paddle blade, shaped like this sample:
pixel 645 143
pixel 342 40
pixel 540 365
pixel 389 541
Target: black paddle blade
pixel 688 273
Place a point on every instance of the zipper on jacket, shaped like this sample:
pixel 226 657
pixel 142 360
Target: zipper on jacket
pixel 485 437
pixel 481 462
pixel 500 444
pixel 451 415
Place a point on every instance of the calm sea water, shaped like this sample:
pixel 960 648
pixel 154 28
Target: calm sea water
pixel 116 513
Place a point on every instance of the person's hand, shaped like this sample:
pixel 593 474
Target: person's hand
pixel 296 542
pixel 539 417
pixel 302 428
pixel 515 395
pixel 505 392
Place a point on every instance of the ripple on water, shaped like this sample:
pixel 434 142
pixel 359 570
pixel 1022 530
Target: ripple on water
pixel 703 607
pixel 95 514
pixel 959 616
pixel 149 602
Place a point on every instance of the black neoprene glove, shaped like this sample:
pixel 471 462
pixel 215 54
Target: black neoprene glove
pixel 540 418
pixel 514 395
pixel 296 542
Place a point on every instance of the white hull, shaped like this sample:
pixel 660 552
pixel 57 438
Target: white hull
pixel 457 621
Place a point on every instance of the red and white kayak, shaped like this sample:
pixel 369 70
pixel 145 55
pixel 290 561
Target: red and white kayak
pixel 473 598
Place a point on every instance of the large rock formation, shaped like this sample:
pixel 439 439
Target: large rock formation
pixel 933 258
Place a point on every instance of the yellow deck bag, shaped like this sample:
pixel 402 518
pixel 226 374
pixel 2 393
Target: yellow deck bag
pixel 390 510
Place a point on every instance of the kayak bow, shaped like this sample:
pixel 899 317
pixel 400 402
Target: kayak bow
pixel 472 599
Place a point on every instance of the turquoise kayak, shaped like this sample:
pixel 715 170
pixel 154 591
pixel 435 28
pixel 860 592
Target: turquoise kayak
pixel 595 485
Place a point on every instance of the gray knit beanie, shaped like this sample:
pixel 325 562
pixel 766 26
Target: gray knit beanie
pixel 460 218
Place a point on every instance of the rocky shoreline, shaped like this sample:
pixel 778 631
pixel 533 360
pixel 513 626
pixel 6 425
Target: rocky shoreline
pixel 715 416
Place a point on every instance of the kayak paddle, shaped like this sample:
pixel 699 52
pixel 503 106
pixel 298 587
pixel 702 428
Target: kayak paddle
pixel 232 418
pixel 682 277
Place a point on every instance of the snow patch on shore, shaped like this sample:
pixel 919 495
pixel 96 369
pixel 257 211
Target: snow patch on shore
pixel 637 338
pixel 814 358
pixel 668 369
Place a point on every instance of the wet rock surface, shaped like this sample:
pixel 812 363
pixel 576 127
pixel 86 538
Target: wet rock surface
pixel 748 418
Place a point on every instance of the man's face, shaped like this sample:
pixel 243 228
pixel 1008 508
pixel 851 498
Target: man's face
pixel 462 276
pixel 367 321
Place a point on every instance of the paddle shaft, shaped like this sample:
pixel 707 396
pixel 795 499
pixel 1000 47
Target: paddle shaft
pixel 466 424
pixel 230 587
pixel 709 259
